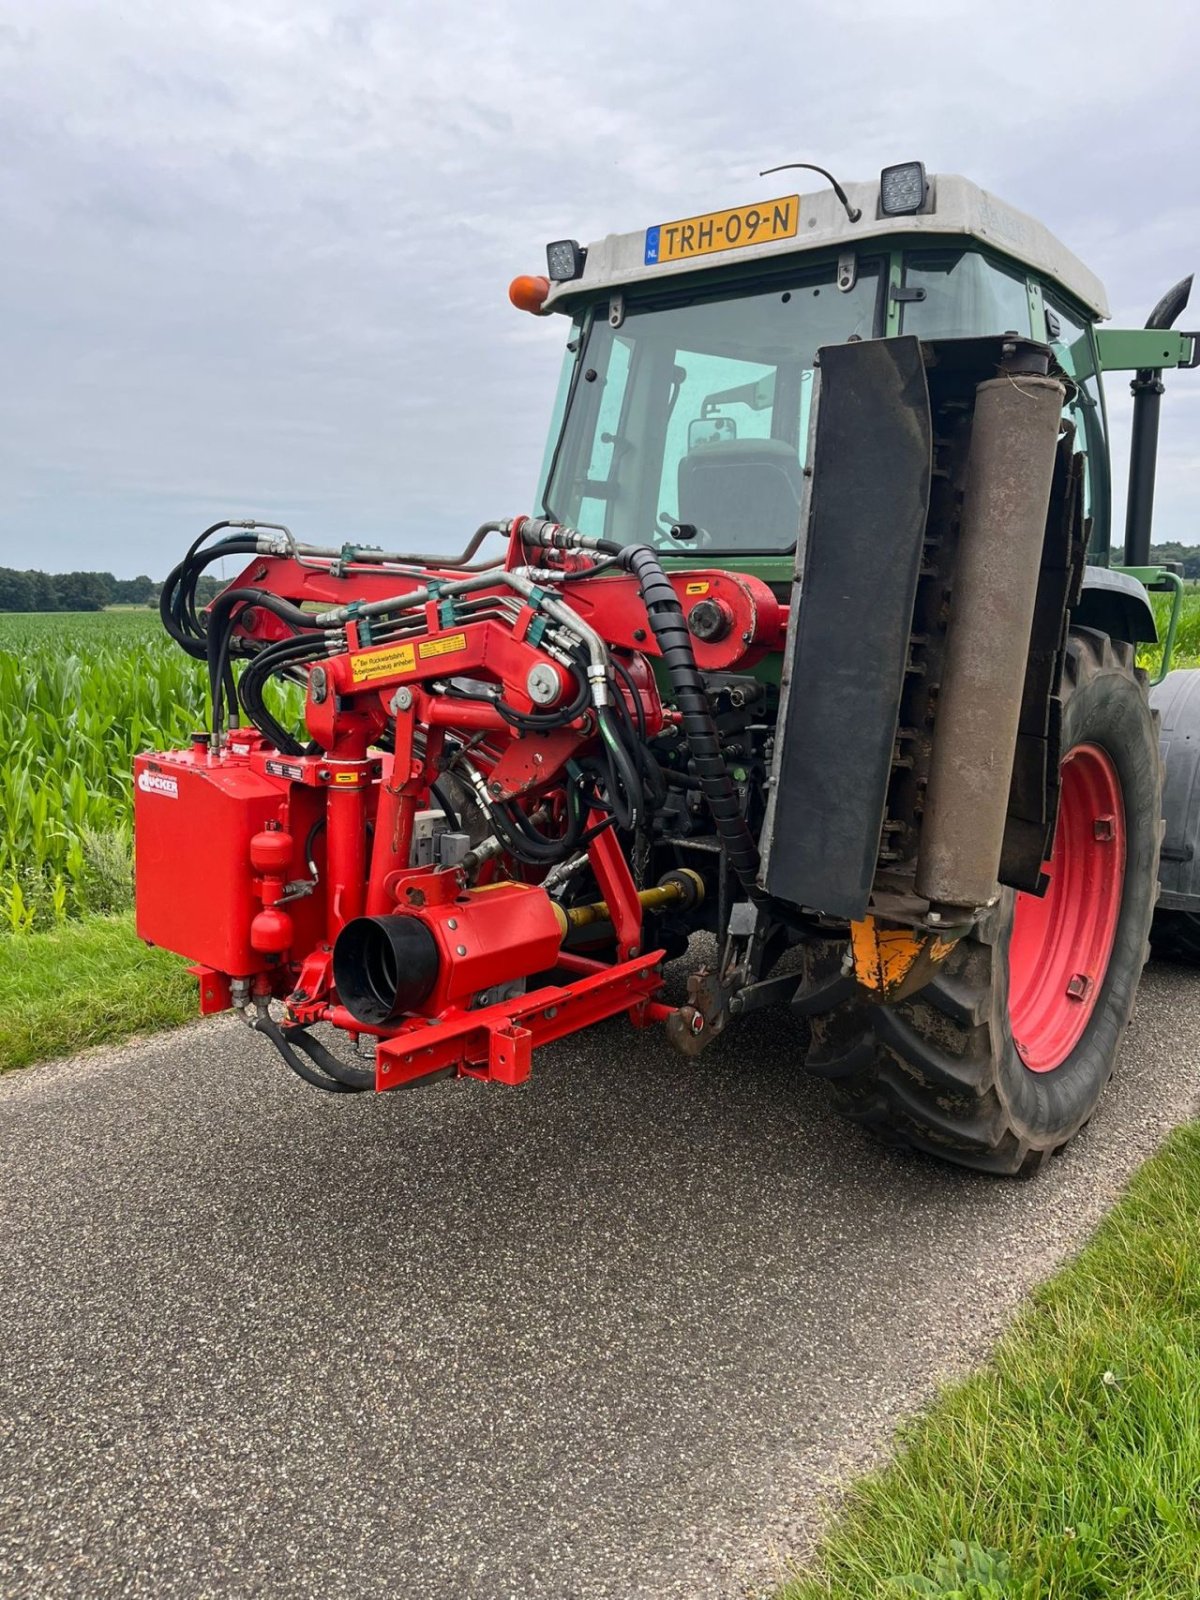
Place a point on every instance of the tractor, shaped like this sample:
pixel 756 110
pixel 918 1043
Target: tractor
pixel 813 643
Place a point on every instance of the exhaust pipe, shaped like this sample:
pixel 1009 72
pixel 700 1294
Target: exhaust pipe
pixel 1014 440
pixel 1147 391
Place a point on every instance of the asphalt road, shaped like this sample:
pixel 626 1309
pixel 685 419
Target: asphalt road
pixel 614 1334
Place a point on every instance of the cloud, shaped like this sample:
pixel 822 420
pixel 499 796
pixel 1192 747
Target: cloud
pixel 256 254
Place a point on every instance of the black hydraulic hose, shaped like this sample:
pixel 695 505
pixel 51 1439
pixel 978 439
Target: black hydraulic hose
pixel 625 784
pixel 635 699
pixel 283 609
pixel 678 780
pixel 220 676
pixel 354 1078
pixel 697 722
pixel 177 601
pixel 653 783
pixel 266 1025
pixel 219 643
pixel 287 652
pixel 443 800
pixel 171 602
pixel 528 843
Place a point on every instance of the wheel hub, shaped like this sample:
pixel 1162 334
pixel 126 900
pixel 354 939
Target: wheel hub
pixel 1061 944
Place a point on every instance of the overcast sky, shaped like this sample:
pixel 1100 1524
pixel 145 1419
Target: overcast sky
pixel 255 254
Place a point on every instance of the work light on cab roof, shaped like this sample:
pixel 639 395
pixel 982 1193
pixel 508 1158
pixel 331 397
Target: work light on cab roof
pixel 812 643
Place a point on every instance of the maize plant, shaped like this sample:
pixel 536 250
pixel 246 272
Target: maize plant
pixel 80 695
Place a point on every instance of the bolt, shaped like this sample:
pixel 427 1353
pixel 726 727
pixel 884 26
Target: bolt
pixel 460 949
pixel 550 1013
pixel 402 699
pixel 495 788
pixel 318 682
pixel 452 923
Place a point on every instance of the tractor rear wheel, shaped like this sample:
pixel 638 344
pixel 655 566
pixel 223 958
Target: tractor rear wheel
pixel 1004 1055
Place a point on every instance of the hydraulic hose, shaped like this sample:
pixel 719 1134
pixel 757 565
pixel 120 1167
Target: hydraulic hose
pixel 221 622
pixel 625 785
pixel 267 1025
pixel 356 1079
pixel 696 719
pixel 177 602
pixel 296 651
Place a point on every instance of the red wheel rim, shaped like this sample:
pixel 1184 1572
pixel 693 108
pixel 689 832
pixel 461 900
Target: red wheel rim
pixel 1061 944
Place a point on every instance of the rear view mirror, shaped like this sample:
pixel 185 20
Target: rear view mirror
pixel 711 430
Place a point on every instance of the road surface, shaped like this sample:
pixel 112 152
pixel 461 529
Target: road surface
pixel 613 1334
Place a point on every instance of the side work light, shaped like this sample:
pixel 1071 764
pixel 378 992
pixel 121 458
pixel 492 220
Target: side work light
pixel 564 260
pixel 903 189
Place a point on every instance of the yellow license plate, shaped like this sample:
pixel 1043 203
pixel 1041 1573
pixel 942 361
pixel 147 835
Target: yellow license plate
pixel 762 223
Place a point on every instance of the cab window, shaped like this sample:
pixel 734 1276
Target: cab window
pixel 693 413
pixel 1071 339
pixel 965 295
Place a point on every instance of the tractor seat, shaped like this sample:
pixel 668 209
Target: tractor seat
pixel 743 492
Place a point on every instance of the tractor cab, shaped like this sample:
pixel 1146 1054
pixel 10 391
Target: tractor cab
pixel 684 410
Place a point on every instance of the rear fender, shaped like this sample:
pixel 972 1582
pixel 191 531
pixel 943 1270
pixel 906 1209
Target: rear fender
pixel 1116 604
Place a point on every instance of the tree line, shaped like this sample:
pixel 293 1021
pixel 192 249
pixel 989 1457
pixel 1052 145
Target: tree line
pixel 93 591
pixel 1185 556
pixel 84 591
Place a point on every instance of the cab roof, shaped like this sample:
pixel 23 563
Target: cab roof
pixel 955 208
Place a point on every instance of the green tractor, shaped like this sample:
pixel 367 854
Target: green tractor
pixel 814 644
pixel 886 401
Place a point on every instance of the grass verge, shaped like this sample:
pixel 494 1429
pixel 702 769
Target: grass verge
pixel 89 982
pixel 1070 1466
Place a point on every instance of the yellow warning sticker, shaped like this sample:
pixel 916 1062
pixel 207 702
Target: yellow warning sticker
pixel 382 663
pixel 449 646
pixel 697 588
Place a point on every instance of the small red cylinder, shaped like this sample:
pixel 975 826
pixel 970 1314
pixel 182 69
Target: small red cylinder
pixel 271 852
pixel 271 931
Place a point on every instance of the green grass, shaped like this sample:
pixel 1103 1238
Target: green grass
pixel 1069 1468
pixel 88 982
pixel 1187 636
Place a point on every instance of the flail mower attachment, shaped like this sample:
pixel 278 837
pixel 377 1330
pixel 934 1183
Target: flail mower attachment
pixel 443 866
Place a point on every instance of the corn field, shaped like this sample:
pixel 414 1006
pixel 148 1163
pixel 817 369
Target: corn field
pixel 80 693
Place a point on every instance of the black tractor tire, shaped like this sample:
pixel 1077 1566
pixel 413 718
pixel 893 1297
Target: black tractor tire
pixel 939 1072
pixel 1175 936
